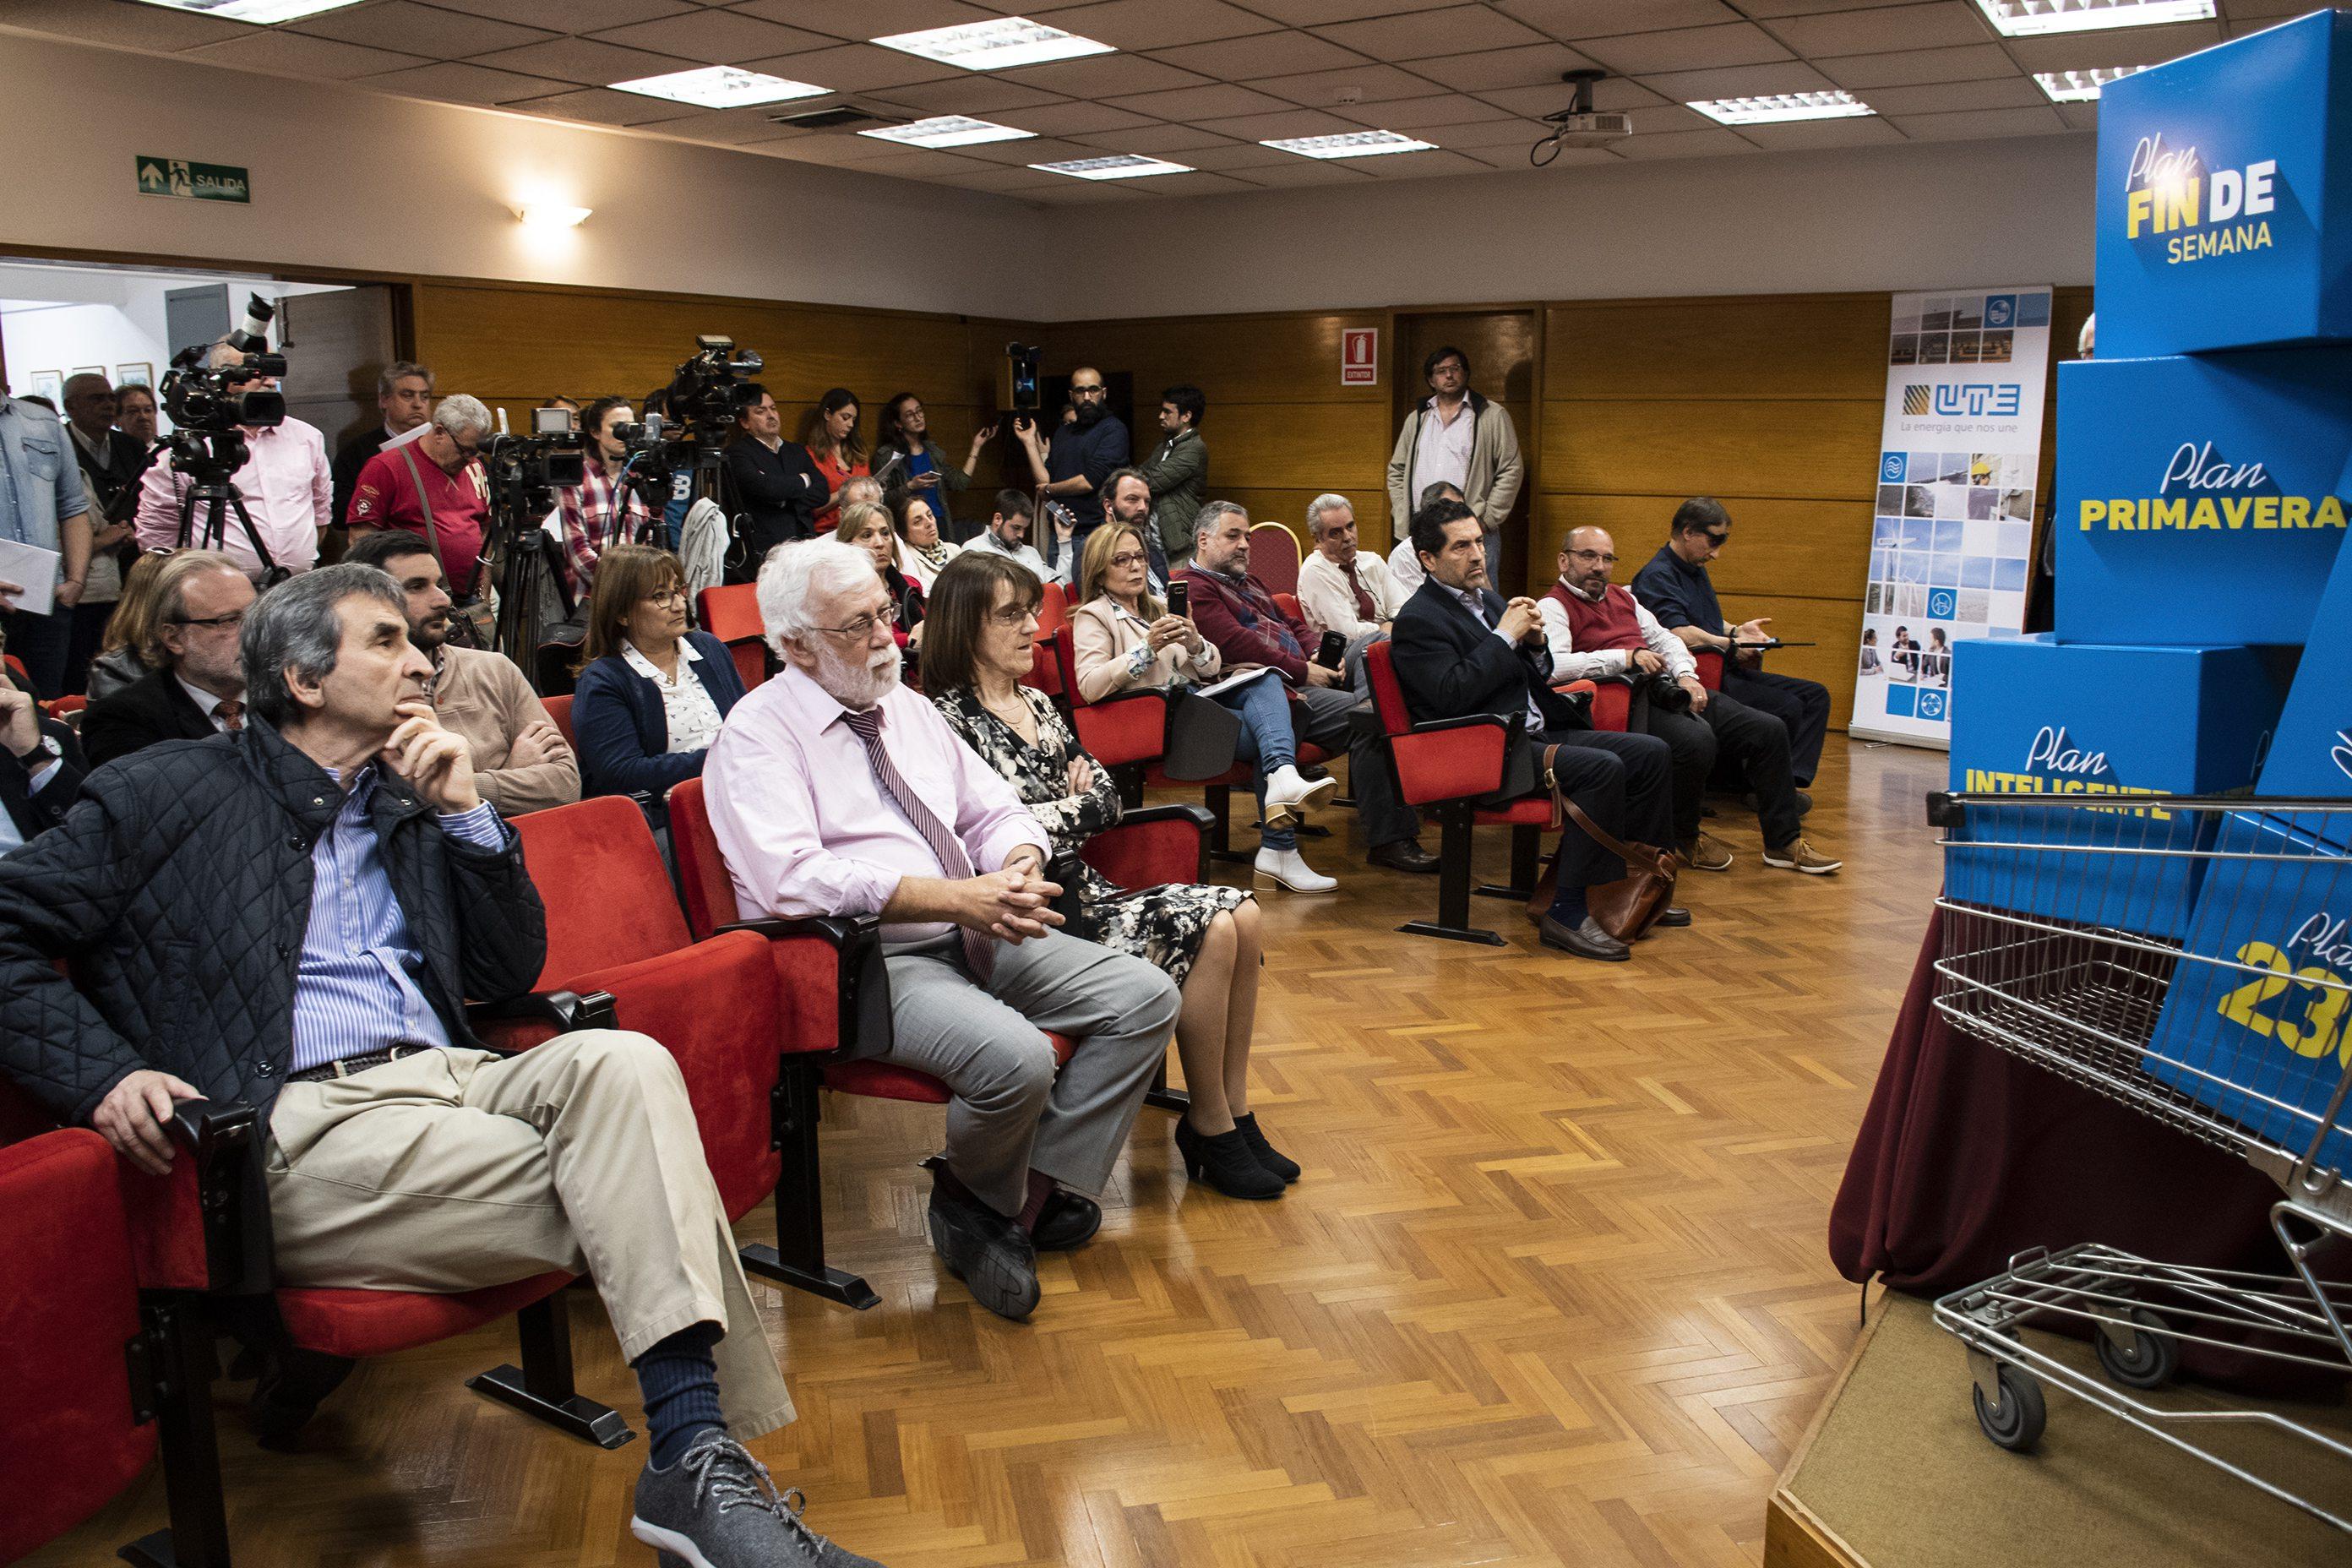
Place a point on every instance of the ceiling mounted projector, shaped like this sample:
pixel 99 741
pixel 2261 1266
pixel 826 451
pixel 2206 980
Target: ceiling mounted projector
pixel 1580 124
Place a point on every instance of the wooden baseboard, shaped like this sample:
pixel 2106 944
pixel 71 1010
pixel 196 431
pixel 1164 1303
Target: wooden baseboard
pixel 1793 1538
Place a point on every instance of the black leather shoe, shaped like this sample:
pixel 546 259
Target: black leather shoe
pixel 1068 1219
pixel 1674 915
pixel 1225 1163
pixel 1587 941
pixel 1272 1158
pixel 988 1251
pixel 1404 855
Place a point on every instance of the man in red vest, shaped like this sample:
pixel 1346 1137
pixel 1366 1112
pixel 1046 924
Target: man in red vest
pixel 1597 631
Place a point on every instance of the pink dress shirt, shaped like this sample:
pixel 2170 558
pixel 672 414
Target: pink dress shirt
pixel 287 485
pixel 806 830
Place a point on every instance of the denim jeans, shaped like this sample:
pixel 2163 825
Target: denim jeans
pixel 1265 739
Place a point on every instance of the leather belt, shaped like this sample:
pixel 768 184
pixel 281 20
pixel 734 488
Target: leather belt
pixel 345 1066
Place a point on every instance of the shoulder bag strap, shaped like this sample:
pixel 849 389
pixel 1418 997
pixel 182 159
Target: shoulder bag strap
pixel 425 505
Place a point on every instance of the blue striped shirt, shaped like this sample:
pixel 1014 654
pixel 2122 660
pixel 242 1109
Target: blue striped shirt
pixel 356 991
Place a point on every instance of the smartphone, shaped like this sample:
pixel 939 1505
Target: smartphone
pixel 1179 604
pixel 1334 649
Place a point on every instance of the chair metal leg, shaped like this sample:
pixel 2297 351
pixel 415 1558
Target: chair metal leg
pixel 1452 921
pixel 1526 849
pixel 544 1387
pixel 1159 1096
pixel 798 1257
pixel 1219 798
pixel 179 1356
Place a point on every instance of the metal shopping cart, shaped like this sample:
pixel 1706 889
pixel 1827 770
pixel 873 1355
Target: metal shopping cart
pixel 2189 958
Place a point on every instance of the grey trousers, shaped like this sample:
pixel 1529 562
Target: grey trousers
pixel 1011 1113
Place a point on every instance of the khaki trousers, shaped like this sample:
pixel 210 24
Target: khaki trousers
pixel 455 1170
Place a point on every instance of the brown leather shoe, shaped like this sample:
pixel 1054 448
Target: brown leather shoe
pixel 1706 853
pixel 1587 941
pixel 1800 856
pixel 1404 855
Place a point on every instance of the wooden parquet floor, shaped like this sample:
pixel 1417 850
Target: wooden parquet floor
pixel 1554 1289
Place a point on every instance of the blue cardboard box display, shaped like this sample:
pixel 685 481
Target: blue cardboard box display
pixel 2094 721
pixel 2202 500
pixel 2225 195
pixel 2312 753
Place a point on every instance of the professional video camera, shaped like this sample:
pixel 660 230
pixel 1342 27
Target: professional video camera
pixel 1018 391
pixel 521 474
pixel 211 407
pixel 675 455
pixel 707 393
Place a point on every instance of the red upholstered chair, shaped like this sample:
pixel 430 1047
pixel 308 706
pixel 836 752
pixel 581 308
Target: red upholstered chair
pixel 613 927
pixel 559 708
pixel 1046 658
pixel 1119 733
pixel 1445 766
pixel 731 614
pixel 75 1428
pixel 1710 669
pixel 63 706
pixel 1274 558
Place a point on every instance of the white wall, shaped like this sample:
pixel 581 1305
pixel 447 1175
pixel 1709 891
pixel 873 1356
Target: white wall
pixel 39 336
pixel 1916 217
pixel 344 177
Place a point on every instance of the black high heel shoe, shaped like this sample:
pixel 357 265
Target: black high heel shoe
pixel 1225 1163
pixel 1266 1154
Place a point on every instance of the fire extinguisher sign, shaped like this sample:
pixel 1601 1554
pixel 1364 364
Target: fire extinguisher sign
pixel 1360 356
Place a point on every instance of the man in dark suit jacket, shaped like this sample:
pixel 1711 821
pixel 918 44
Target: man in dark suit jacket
pixel 40 767
pixel 202 597
pixel 1453 660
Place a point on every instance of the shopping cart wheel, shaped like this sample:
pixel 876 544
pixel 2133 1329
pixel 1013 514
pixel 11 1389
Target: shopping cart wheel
pixel 2017 1421
pixel 2151 1358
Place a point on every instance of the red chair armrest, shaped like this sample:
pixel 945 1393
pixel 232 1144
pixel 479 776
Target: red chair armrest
pixel 521 1022
pixel 831 985
pixel 1451 759
pixel 1710 669
pixel 1153 846
pixel 206 1227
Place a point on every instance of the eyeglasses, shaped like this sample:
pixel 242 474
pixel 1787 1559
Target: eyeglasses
pixel 1129 558
pixel 229 622
pixel 1010 616
pixel 1592 555
pixel 1086 392
pixel 666 597
pixel 857 630
pixel 1716 537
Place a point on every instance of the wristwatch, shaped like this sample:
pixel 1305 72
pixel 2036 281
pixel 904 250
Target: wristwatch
pixel 45 752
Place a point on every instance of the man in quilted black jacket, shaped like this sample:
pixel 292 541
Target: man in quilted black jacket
pixel 293 916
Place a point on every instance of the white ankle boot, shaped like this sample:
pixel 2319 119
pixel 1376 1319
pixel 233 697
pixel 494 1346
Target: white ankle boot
pixel 1290 868
pixel 1288 797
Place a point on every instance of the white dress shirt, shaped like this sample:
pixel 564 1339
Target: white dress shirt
pixel 206 701
pixel 1331 602
pixel 1405 569
pixel 1442 452
pixel 1601 664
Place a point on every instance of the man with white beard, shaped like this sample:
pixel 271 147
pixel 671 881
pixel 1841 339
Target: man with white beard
pixel 834 791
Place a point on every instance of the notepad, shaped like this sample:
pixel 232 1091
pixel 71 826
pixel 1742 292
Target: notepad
pixel 33 571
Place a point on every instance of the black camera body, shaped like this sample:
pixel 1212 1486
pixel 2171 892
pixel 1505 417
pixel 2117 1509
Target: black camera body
pixel 535 466
pixel 706 394
pixel 1018 391
pixel 210 400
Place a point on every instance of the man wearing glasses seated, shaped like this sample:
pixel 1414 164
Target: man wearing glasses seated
pixel 197 686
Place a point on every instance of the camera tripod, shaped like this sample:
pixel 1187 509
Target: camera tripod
pixel 217 498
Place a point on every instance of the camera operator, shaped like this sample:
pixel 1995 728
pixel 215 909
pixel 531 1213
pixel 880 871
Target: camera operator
pixel 600 511
pixel 41 503
pixel 777 486
pixel 1083 454
pixel 285 481
pixel 433 486
pixel 403 394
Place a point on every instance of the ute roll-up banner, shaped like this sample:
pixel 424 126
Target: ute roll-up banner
pixel 1951 544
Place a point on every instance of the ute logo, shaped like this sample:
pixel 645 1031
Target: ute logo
pixel 1961 400
pixel 2203 212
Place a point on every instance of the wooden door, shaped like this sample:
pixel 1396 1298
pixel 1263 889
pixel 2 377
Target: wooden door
pixel 1504 347
pixel 335 344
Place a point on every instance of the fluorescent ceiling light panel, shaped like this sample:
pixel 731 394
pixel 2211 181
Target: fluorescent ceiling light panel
pixel 2080 86
pixel 720 87
pixel 947 130
pixel 2027 18
pixel 259 12
pixel 994 46
pixel 1350 144
pixel 1125 166
pixel 1780 108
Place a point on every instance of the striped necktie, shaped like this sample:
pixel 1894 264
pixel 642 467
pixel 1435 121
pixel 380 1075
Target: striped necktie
pixel 955 863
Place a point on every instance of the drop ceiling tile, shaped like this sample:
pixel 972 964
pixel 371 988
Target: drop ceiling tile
pixel 606 106
pixel 1236 156
pixel 1104 76
pixel 2080 116
pixel 1770 10
pixel 1074 192
pixel 110 22
pixel 1447 30
pixel 1075 119
pixel 1300 172
pixel 296 55
pixel 1156 25
pixel 583 60
pixel 1268 54
pixel 1574 19
pixel 1158 140
pixel 1367 83
pixel 1413 114
pixel 1979 124
pixel 856 24
pixel 965 94
pixel 714 38
pixel 1418 166
pixel 1190 105
pixel 1003 180
pixel 582 16
pixel 1907 68
pixel 1534 102
pixel 1669 118
pixel 722 125
pixel 1950 97
pixel 416 29
pixel 1315 13
pixel 1535 65
pixel 921 163
pixel 459 83
pixel 1686 48
pixel 1739 81
pixel 1681 144
pixel 1271 127
pixel 1816 133
pixel 1945 24
pixel 854 68
pixel 1483 135
pixel 1201 182
pixel 2121 47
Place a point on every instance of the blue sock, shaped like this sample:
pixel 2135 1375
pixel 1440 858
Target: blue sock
pixel 1568 907
pixel 680 1382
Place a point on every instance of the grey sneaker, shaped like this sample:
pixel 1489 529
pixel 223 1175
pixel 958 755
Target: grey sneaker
pixel 717 1508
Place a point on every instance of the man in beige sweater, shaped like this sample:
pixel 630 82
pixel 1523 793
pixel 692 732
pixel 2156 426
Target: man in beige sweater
pixel 521 762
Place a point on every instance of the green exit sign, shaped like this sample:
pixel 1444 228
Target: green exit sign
pixel 195 182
